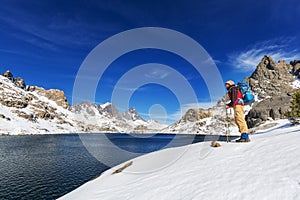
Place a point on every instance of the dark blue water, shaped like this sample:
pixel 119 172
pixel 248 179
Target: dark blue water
pixel 49 166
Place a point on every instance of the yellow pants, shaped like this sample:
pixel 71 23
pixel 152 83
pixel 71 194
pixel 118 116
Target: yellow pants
pixel 240 119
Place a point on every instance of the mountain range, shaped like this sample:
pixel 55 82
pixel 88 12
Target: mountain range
pixel 34 110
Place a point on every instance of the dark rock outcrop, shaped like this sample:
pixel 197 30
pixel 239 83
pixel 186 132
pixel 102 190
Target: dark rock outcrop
pixel 4 117
pixel 19 82
pixel 271 79
pixel 296 67
pixel 8 75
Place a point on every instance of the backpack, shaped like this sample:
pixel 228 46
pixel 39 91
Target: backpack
pixel 248 96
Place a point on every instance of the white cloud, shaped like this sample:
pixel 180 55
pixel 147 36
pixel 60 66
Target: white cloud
pixel 157 74
pixel 129 88
pixel 279 49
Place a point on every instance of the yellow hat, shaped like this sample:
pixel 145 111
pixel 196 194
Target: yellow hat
pixel 230 82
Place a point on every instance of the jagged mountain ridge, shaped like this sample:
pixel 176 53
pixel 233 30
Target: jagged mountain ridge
pixel 31 110
pixel 47 111
pixel 273 83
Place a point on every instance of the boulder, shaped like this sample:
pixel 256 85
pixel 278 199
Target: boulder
pixel 274 108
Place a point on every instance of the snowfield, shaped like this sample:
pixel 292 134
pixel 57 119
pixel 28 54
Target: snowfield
pixel 266 168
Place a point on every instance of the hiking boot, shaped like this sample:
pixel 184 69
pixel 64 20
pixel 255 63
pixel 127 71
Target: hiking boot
pixel 244 138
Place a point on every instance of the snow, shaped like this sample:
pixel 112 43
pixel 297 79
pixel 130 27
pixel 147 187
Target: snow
pixel 17 125
pixel 296 83
pixel 105 105
pixel 266 168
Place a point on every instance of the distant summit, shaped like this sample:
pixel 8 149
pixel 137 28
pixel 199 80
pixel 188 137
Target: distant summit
pixel 131 114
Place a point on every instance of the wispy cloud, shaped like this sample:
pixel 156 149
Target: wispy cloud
pixel 278 48
pixel 157 74
pixel 129 89
pixel 9 51
pixel 60 31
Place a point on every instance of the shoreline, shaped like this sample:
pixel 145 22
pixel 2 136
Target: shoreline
pixel 119 133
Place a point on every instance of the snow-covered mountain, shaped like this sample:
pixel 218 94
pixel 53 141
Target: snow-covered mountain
pixel 33 110
pixel 30 109
pixel 265 168
pixel 131 114
pixel 273 83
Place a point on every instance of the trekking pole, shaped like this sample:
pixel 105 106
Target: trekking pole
pixel 227 126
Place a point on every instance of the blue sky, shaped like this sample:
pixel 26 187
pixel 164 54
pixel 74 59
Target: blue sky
pixel 45 42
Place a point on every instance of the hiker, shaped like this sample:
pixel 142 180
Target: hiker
pixel 237 104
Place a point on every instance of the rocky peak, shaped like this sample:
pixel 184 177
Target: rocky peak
pixel 109 110
pixel 272 78
pixel 58 96
pixel 132 114
pixel 8 75
pixel 85 106
pixel 19 82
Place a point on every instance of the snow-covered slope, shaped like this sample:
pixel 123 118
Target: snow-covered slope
pixel 266 168
pixel 25 112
